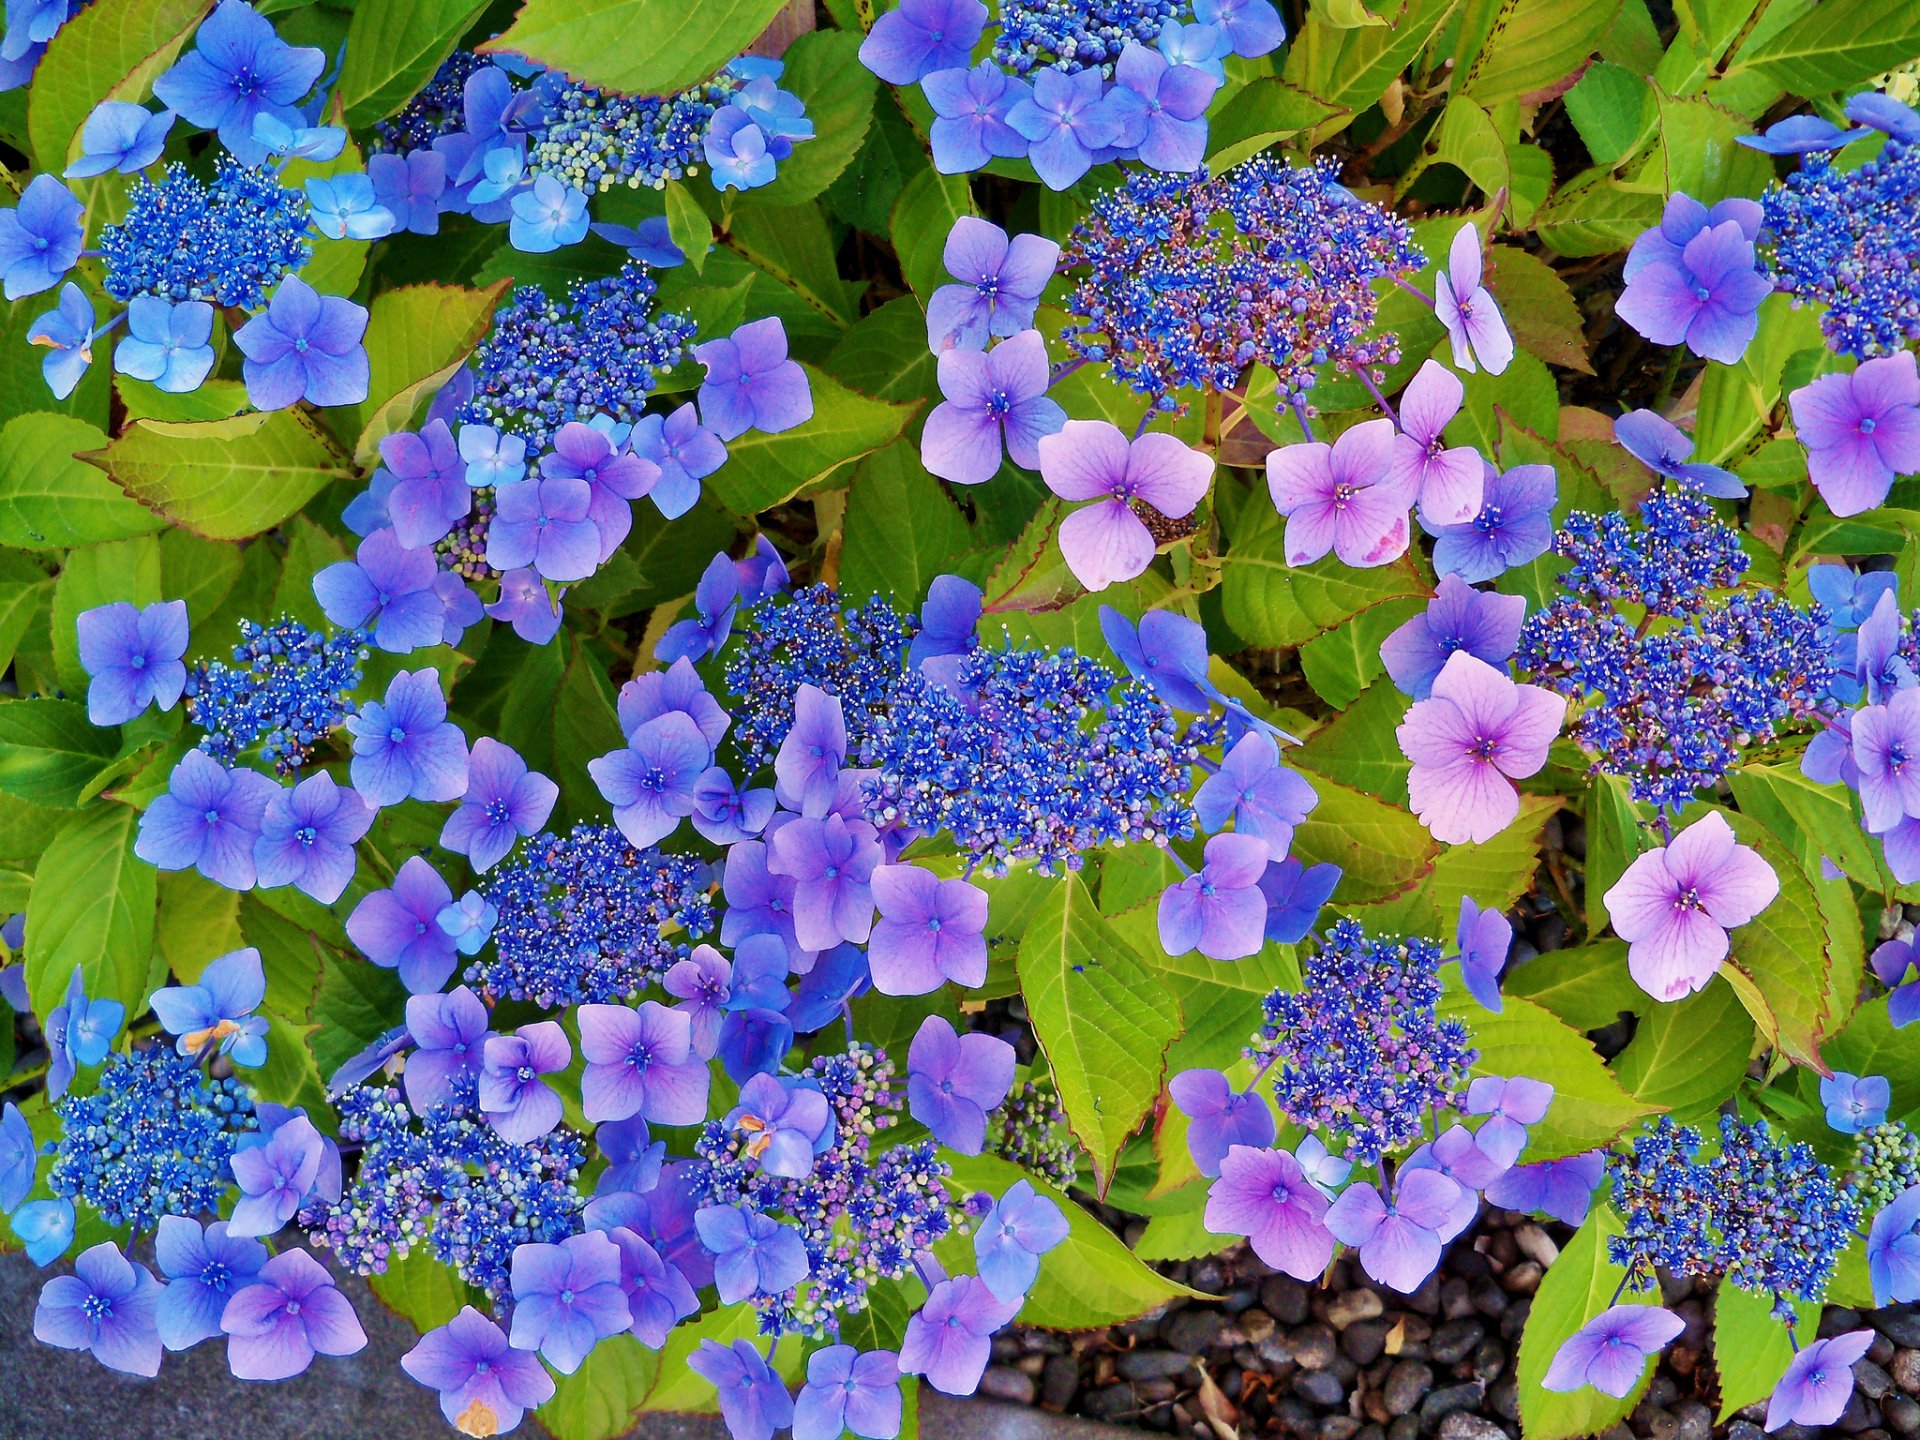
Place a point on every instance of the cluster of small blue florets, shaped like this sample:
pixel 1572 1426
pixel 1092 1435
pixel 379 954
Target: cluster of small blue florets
pixel 1189 279
pixel 596 141
pixel 446 1177
pixel 1670 706
pixel 1032 754
pixel 227 242
pixel 287 688
pixel 1763 1214
pixel 861 1217
pixel 806 638
pixel 586 917
pixel 600 353
pixel 439 108
pixel 1360 1048
pixel 1078 34
pixel 153 1140
pixel 1851 240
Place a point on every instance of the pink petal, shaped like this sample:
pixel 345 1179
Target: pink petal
pixel 1168 474
pixel 1467 801
pixel 1678 958
pixel 1104 543
pixel 1084 460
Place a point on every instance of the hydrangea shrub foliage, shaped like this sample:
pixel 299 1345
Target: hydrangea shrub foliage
pixel 674 692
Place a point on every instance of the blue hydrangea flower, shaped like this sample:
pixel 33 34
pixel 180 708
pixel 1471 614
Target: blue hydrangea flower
pixel 306 346
pixel 67 332
pixel 216 1011
pixel 1515 525
pixel 40 238
pixel 170 345
pixel 548 216
pixel 239 69
pixel 404 747
pixel 1065 121
pixel 1022 1226
pixel 919 37
pixel 409 187
pixel 737 152
pixel 1855 1102
pixel 204 1269
pixel 45 1229
pixel 107 1306
pixel 401 927
pixel 849 1392
pixel 971 107
pixel 751 384
pixel 344 207
pixel 388 589
pixel 120 136
pixel 79 1032
pixel 307 836
pixel 19 1158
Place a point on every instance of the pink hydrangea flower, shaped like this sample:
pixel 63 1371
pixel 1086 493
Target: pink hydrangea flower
pixel 1676 903
pixel 1346 497
pixel 1469 741
pixel 1093 460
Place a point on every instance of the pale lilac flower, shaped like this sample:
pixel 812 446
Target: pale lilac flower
pixel 451 1032
pixel 1860 430
pixel 949 1339
pixel 850 1392
pixel 615 478
pixel 640 1062
pixel 1475 735
pixel 1345 497
pixel 1510 1107
pixel 1220 911
pixel 1819 1381
pixel 1892 961
pixel 1709 299
pixel 658 1295
pixel 954 1080
pixel 683 450
pixel 1253 789
pixel 650 780
pixel 1610 1351
pixel 504 801
pixel 1675 904
pixel 486 1386
pixel 930 931
pixel 304 346
pixel 807 767
pixel 1093 460
pixel 1481 622
pixel 430 493
pixel 1446 482
pixel 992 399
pixel 1458 1155
pixel 1327 1171
pixel 1266 1196
pixel 999 287
pixel 388 589
pixel 1219 1117
pixel 1560 1188
pixel 275 1177
pixel 544 526
pixel 1855 1102
pixel 753 1399
pixel 1475 327
pixel 1485 937
pixel 831 863
pixel 1399 1242
pixel 106 1306
pixel 411 187
pixel 1254 26
pixel 751 384
pixel 753 1254
pixel 1893 1250
pixel 492 458
pixel 307 835
pixel 526 605
pixel 567 1298
pixel 1159 109
pixel 1683 218
pixel 132 655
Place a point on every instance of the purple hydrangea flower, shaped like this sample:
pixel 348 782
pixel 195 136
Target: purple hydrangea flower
pixel 1860 430
pixel 518 1104
pixel 19 1157
pixel 954 1080
pixel 807 768
pixel 1515 525
pixel 1022 1226
pixel 1663 448
pixel 410 187
pixel 120 136
pixel 849 1392
pixel 307 835
pixel 291 1312
pixel 753 1399
pixel 387 589
pixel 724 813
pixel 1295 895
pixel 1885 114
pixel 1485 937
pixel 650 780
pixel 79 1032
pixel 1855 1102
pixel 106 1306
pixel 239 69
pixel 1219 1117
pixel 1484 624
pixel 1220 911
pixel 1093 460
pixel 1254 790
pixel 1683 218
pixel 1475 327
pixel 930 931
pixel 275 1177
pixel 430 493
pixel 404 747
pixel 1469 740
pixel 1511 1106
pixel 504 801
pixel 1066 121
pixel 949 1339
pixel 451 1034
pixel 785 1125
pixel 544 525
pixel 204 1269
pixel 1893 1250
pixel 1399 1242
pixel 658 1295
pixel 1159 109
pixel 1345 497
pixel 169 345
pixel 752 1254
pixel 683 450
pixel 971 108
pixel 526 605
pixel 1254 26
pixel 1560 1188
pixel 40 238
pixel 1892 961
pixel 1819 1381
pixel 922 36
pixel 615 477
pixel 133 656
pixel 992 400
pixel 641 1062
pixel 1266 1196
pixel 1166 652
pixel 1708 299
pixel 831 863
pixel 1802 135
pixel 216 1011
pixel 751 384
pixel 1458 1155
pixel 486 1386
pixel 1610 1351
pixel 999 287
pixel 304 346
pixel 567 1298
pixel 67 333
pixel 1675 904
pixel 1446 482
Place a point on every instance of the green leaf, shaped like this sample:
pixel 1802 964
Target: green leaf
pixel 1578 1286
pixel 1751 1350
pixel 1539 308
pixel 1587 987
pixel 417 336
pixel 1102 1018
pixel 421 1290
pixel 24 591
pixel 791 245
pixel 884 354
pixel 1689 1055
pixel 107 52
pixel 763 470
pixel 1609 106
pixel 92 907
pixel 1534 44
pixel 50 499
pixel 824 71
pixel 1341 662
pixel 1596 215
pixel 1089 1280
pixel 922 218
pixel 638 47
pixel 901 529
pixel 224 479
pixel 1781 958
pixel 1350 69
pixel 685 1391
pixel 1258 116
pixel 1589 1108
pixel 50 751
pixel 1466 139
pixel 99 575
pixel 1615 838
pixel 585 726
pixel 1698 141
pixel 1835 45
pixel 1269 602
pixel 598 1401
pixel 1380 848
pixel 393 48
pixel 688 226
pixel 1358 748
pixel 1870 1045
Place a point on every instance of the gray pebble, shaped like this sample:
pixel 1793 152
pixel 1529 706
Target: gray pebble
pixel 1059 1382
pixel 1192 1331
pixel 1901 1414
pixel 1313 1347
pixel 1256 1325
pixel 1407 1383
pixel 1407 1427
pixel 1109 1402
pixel 1284 1298
pixel 1464 1425
pixel 1353 1306
pixel 1696 1420
pixel 1001 1382
pixel 1871 1380
pixel 1317 1387
pixel 1364 1342
pixel 1152 1364
pixel 1339 1427
pixel 1454 1341
pixel 1448 1399
pixel 1900 1324
pixel 1906 1371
